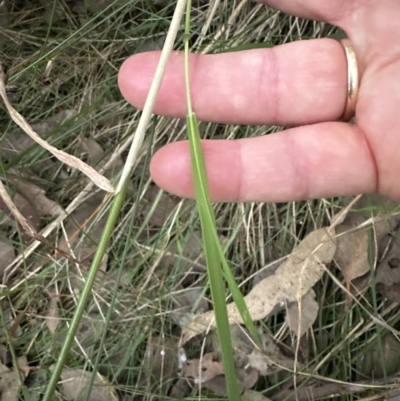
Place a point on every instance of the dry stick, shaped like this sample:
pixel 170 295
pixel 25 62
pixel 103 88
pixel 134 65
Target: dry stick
pixel 151 97
pixel 64 157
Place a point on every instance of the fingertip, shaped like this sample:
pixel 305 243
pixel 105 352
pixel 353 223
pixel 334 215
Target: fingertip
pixel 135 78
pixel 170 168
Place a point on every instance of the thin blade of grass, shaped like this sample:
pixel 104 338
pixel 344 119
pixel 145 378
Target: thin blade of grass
pixel 215 258
pixel 86 293
pixel 212 253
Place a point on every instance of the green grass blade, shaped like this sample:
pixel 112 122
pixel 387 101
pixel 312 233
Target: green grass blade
pixel 239 300
pixel 86 293
pixel 213 258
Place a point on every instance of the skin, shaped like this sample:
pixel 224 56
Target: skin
pixel 301 84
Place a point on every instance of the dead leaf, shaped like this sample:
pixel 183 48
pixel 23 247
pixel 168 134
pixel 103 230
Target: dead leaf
pixel 99 158
pixel 300 316
pixel 203 369
pixel 75 386
pixel 352 248
pixel 246 378
pixel 291 281
pixel 379 362
pixel 72 161
pixel 208 372
pixel 269 362
pixel 387 278
pixel 23 365
pixel 9 384
pixel 52 318
pixel 37 196
pixel 7 253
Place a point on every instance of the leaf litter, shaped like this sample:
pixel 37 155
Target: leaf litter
pixel 300 316
pixel 294 279
pixel 291 281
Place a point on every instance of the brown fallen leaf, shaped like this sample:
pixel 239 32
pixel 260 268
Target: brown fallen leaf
pixel 352 248
pixel 292 280
pixel 379 362
pixel 75 386
pixel 203 369
pixel 99 158
pixel 9 384
pixel 300 316
pixel 387 278
pixel 23 366
pixel 52 318
pixel 72 161
pixel 209 372
pixel 269 362
pixel 246 378
pixel 37 197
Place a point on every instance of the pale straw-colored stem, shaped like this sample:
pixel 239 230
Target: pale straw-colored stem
pixel 151 97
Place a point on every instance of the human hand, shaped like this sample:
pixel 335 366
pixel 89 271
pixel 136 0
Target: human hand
pixel 302 83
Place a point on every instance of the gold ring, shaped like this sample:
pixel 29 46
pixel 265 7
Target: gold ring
pixel 352 81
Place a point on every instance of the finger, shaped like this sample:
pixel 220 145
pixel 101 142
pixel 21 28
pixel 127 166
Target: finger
pixel 293 84
pixel 378 117
pixel 323 160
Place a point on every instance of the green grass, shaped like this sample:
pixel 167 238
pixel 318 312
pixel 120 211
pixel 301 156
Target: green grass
pixel 71 63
